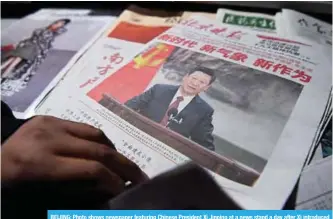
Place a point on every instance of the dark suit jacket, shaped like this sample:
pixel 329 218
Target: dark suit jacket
pixel 196 116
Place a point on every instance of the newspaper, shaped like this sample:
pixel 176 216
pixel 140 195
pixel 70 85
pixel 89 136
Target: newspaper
pixel 38 50
pixel 323 147
pixel 293 23
pixel 323 138
pixel 315 186
pixel 254 21
pixel 251 127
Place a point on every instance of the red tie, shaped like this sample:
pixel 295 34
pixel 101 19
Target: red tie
pixel 175 104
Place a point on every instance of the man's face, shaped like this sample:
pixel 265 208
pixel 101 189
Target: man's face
pixel 196 83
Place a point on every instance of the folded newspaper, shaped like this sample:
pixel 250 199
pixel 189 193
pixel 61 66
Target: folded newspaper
pixel 38 50
pixel 315 186
pixel 244 106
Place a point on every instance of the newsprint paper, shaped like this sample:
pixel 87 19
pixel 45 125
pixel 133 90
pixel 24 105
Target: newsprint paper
pixel 245 106
pixel 293 23
pixel 38 50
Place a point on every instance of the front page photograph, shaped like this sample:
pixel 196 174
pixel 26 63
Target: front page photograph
pixel 235 102
pixel 232 110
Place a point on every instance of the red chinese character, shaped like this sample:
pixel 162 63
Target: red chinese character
pixel 218 30
pixel 224 52
pixel 236 35
pixel 104 70
pixel 90 81
pixel 165 37
pixel 263 63
pixel 208 48
pixel 116 58
pixel 190 22
pixel 302 76
pixel 238 56
pixel 283 69
pixel 205 26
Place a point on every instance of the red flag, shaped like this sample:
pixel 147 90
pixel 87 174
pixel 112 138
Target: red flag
pixel 138 33
pixel 133 78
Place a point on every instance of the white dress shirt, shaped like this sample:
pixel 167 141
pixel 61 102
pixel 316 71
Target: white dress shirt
pixel 182 104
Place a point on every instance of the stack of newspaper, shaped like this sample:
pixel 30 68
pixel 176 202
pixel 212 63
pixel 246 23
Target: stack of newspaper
pixel 225 91
pixel 315 188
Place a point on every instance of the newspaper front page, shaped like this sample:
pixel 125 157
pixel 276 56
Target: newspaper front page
pixel 231 100
pixel 38 50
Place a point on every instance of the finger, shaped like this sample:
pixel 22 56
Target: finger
pixel 87 132
pixel 133 173
pixel 113 160
pixel 94 173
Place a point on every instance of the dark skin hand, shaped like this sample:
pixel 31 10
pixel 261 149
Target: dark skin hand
pixel 50 150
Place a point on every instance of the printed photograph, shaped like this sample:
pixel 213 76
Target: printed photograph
pixel 139 33
pixel 232 115
pixel 33 52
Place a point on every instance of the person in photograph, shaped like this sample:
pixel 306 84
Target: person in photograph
pixel 180 108
pixel 25 58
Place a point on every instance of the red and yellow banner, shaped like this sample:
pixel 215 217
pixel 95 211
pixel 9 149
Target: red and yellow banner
pixel 133 78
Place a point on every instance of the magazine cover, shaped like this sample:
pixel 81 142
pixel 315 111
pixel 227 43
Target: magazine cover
pixel 36 50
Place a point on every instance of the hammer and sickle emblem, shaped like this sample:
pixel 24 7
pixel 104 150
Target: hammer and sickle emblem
pixel 150 58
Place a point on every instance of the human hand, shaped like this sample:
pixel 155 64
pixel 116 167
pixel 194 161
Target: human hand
pixel 50 150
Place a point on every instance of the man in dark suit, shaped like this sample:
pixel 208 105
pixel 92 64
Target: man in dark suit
pixel 180 108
